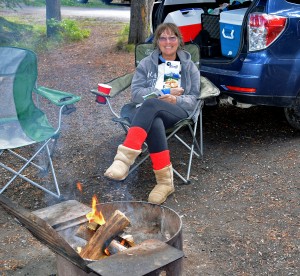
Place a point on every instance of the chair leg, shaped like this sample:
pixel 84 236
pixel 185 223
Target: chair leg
pixel 125 128
pixel 138 163
pixel 30 162
pixel 57 194
pixel 185 180
pixel 16 174
pixel 24 159
pixel 192 150
pixel 195 143
pixel 51 151
pixel 198 152
pixel 201 132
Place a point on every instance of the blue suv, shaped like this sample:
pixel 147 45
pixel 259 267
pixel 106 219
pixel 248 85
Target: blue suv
pixel 249 49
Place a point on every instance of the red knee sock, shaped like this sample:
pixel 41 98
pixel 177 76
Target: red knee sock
pixel 160 159
pixel 135 138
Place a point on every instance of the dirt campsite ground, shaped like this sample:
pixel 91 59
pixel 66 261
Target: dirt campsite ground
pixel 240 213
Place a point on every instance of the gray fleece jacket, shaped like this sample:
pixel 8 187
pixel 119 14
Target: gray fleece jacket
pixel 146 74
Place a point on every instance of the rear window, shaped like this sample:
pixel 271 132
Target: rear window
pixel 293 1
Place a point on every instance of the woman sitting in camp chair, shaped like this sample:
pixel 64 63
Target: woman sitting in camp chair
pixel 155 115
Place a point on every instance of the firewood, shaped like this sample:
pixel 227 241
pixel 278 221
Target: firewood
pixel 128 239
pixel 95 246
pixel 93 226
pixel 42 231
pixel 115 247
pixel 84 232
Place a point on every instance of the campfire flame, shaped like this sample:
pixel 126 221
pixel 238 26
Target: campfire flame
pixel 95 215
pixel 79 187
pixel 123 242
pixel 106 251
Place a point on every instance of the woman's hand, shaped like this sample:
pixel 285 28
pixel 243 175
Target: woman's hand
pixel 168 98
pixel 172 97
pixel 177 91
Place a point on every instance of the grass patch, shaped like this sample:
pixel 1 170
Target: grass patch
pixel 25 34
pixel 69 3
pixel 30 32
pixel 122 43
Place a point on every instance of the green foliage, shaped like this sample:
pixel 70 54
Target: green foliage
pixel 130 48
pixel 35 3
pixel 71 30
pixel 70 3
pixel 125 30
pixel 11 4
pixel 14 32
pixel 26 32
pixel 122 43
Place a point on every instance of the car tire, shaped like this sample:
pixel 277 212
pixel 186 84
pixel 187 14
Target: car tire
pixel 292 114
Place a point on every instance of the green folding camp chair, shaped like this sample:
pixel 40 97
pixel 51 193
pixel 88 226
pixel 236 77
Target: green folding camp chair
pixel 22 123
pixel 194 146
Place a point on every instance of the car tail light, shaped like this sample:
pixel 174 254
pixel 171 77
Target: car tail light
pixel 264 29
pixel 240 89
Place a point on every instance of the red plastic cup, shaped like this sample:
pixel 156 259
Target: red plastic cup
pixel 103 88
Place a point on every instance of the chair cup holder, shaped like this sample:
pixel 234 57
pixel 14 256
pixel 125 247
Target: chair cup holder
pixel 68 109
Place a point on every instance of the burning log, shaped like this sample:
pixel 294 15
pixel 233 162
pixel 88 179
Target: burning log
pixel 93 226
pixel 115 247
pixel 84 232
pixel 87 230
pixel 95 246
pixel 128 239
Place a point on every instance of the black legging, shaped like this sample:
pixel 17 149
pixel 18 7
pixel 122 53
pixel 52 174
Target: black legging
pixel 155 116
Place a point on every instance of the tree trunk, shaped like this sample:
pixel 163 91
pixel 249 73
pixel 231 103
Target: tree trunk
pixel 53 16
pixel 139 21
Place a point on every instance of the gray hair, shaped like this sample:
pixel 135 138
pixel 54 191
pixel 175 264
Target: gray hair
pixel 167 26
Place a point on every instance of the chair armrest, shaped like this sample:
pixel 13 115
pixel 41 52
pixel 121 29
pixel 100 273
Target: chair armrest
pixel 208 89
pixel 118 85
pixel 57 97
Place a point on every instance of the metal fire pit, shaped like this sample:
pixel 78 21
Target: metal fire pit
pixel 157 231
pixel 147 222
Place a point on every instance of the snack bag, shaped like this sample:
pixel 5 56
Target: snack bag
pixel 172 74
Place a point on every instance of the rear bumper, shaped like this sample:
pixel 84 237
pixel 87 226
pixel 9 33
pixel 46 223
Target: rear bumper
pixel 275 81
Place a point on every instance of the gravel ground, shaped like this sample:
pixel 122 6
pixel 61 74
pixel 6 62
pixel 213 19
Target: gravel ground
pixel 240 213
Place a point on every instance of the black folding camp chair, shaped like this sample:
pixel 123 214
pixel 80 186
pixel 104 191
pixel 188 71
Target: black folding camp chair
pixel 208 90
pixel 22 123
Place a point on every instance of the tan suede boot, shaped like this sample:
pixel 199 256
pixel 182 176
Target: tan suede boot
pixel 124 158
pixel 164 186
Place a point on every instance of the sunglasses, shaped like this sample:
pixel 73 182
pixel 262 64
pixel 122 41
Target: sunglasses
pixel 165 39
